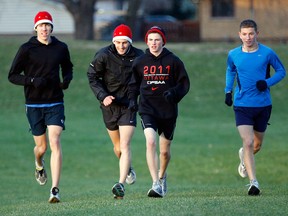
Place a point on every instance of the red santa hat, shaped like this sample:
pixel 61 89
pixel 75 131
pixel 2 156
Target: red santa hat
pixel 42 17
pixel 122 32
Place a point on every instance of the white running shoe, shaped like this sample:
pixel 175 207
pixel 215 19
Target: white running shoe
pixel 131 177
pixel 241 168
pixel 163 184
pixel 253 189
pixel 54 195
pixel 155 191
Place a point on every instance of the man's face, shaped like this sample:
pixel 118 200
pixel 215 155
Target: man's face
pixel 122 46
pixel 155 43
pixel 248 36
pixel 44 31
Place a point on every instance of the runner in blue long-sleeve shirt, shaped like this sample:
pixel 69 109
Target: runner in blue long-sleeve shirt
pixel 249 64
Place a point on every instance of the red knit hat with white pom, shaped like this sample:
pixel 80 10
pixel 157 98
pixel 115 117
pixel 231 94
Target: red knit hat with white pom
pixel 42 17
pixel 122 32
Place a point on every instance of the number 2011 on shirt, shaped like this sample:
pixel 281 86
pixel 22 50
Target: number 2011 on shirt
pixel 157 70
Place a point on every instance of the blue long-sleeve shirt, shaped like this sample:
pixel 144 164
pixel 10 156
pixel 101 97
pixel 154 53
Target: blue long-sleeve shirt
pixel 247 69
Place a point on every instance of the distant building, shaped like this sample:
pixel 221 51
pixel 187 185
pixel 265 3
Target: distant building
pixel 220 19
pixel 17 16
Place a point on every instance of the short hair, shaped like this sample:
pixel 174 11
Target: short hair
pixel 248 23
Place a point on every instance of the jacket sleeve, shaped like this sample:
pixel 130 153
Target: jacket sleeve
pixel 16 75
pixel 67 67
pixel 134 84
pixel 182 81
pixel 95 75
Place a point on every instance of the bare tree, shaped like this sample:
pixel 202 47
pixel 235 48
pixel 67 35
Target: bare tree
pixel 132 16
pixel 133 6
pixel 83 11
pixel 83 15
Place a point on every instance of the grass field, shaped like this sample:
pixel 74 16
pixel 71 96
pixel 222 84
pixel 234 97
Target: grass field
pixel 202 176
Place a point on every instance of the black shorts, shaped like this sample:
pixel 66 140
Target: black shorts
pixel 165 126
pixel 256 116
pixel 40 118
pixel 116 115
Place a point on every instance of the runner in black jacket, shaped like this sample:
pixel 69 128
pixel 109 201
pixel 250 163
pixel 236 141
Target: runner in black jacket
pixel 40 64
pixel 109 74
pixel 162 81
pixel 36 66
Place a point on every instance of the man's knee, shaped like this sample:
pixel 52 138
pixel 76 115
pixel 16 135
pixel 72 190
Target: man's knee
pixel 257 147
pixel 165 154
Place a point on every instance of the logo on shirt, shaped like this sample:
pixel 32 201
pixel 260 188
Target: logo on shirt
pixel 155 82
pixel 154 88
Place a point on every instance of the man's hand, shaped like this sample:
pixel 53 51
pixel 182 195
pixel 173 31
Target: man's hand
pixel 108 100
pixel 38 82
pixel 261 85
pixel 64 85
pixel 133 105
pixel 228 99
pixel 169 96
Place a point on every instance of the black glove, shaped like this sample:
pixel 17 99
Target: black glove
pixel 228 99
pixel 169 96
pixel 261 85
pixel 38 82
pixel 133 105
pixel 64 85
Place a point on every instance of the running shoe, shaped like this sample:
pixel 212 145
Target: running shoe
pixel 118 191
pixel 54 195
pixel 41 176
pixel 253 189
pixel 155 191
pixel 241 168
pixel 131 177
pixel 163 184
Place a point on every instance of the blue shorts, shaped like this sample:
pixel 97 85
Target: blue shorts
pixel 256 116
pixel 40 118
pixel 165 126
pixel 116 115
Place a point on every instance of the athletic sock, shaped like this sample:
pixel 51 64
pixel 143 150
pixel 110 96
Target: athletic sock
pixel 38 167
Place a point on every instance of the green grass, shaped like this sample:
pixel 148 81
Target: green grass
pixel 202 175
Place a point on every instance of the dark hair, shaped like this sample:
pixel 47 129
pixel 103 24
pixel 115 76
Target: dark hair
pixel 248 23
